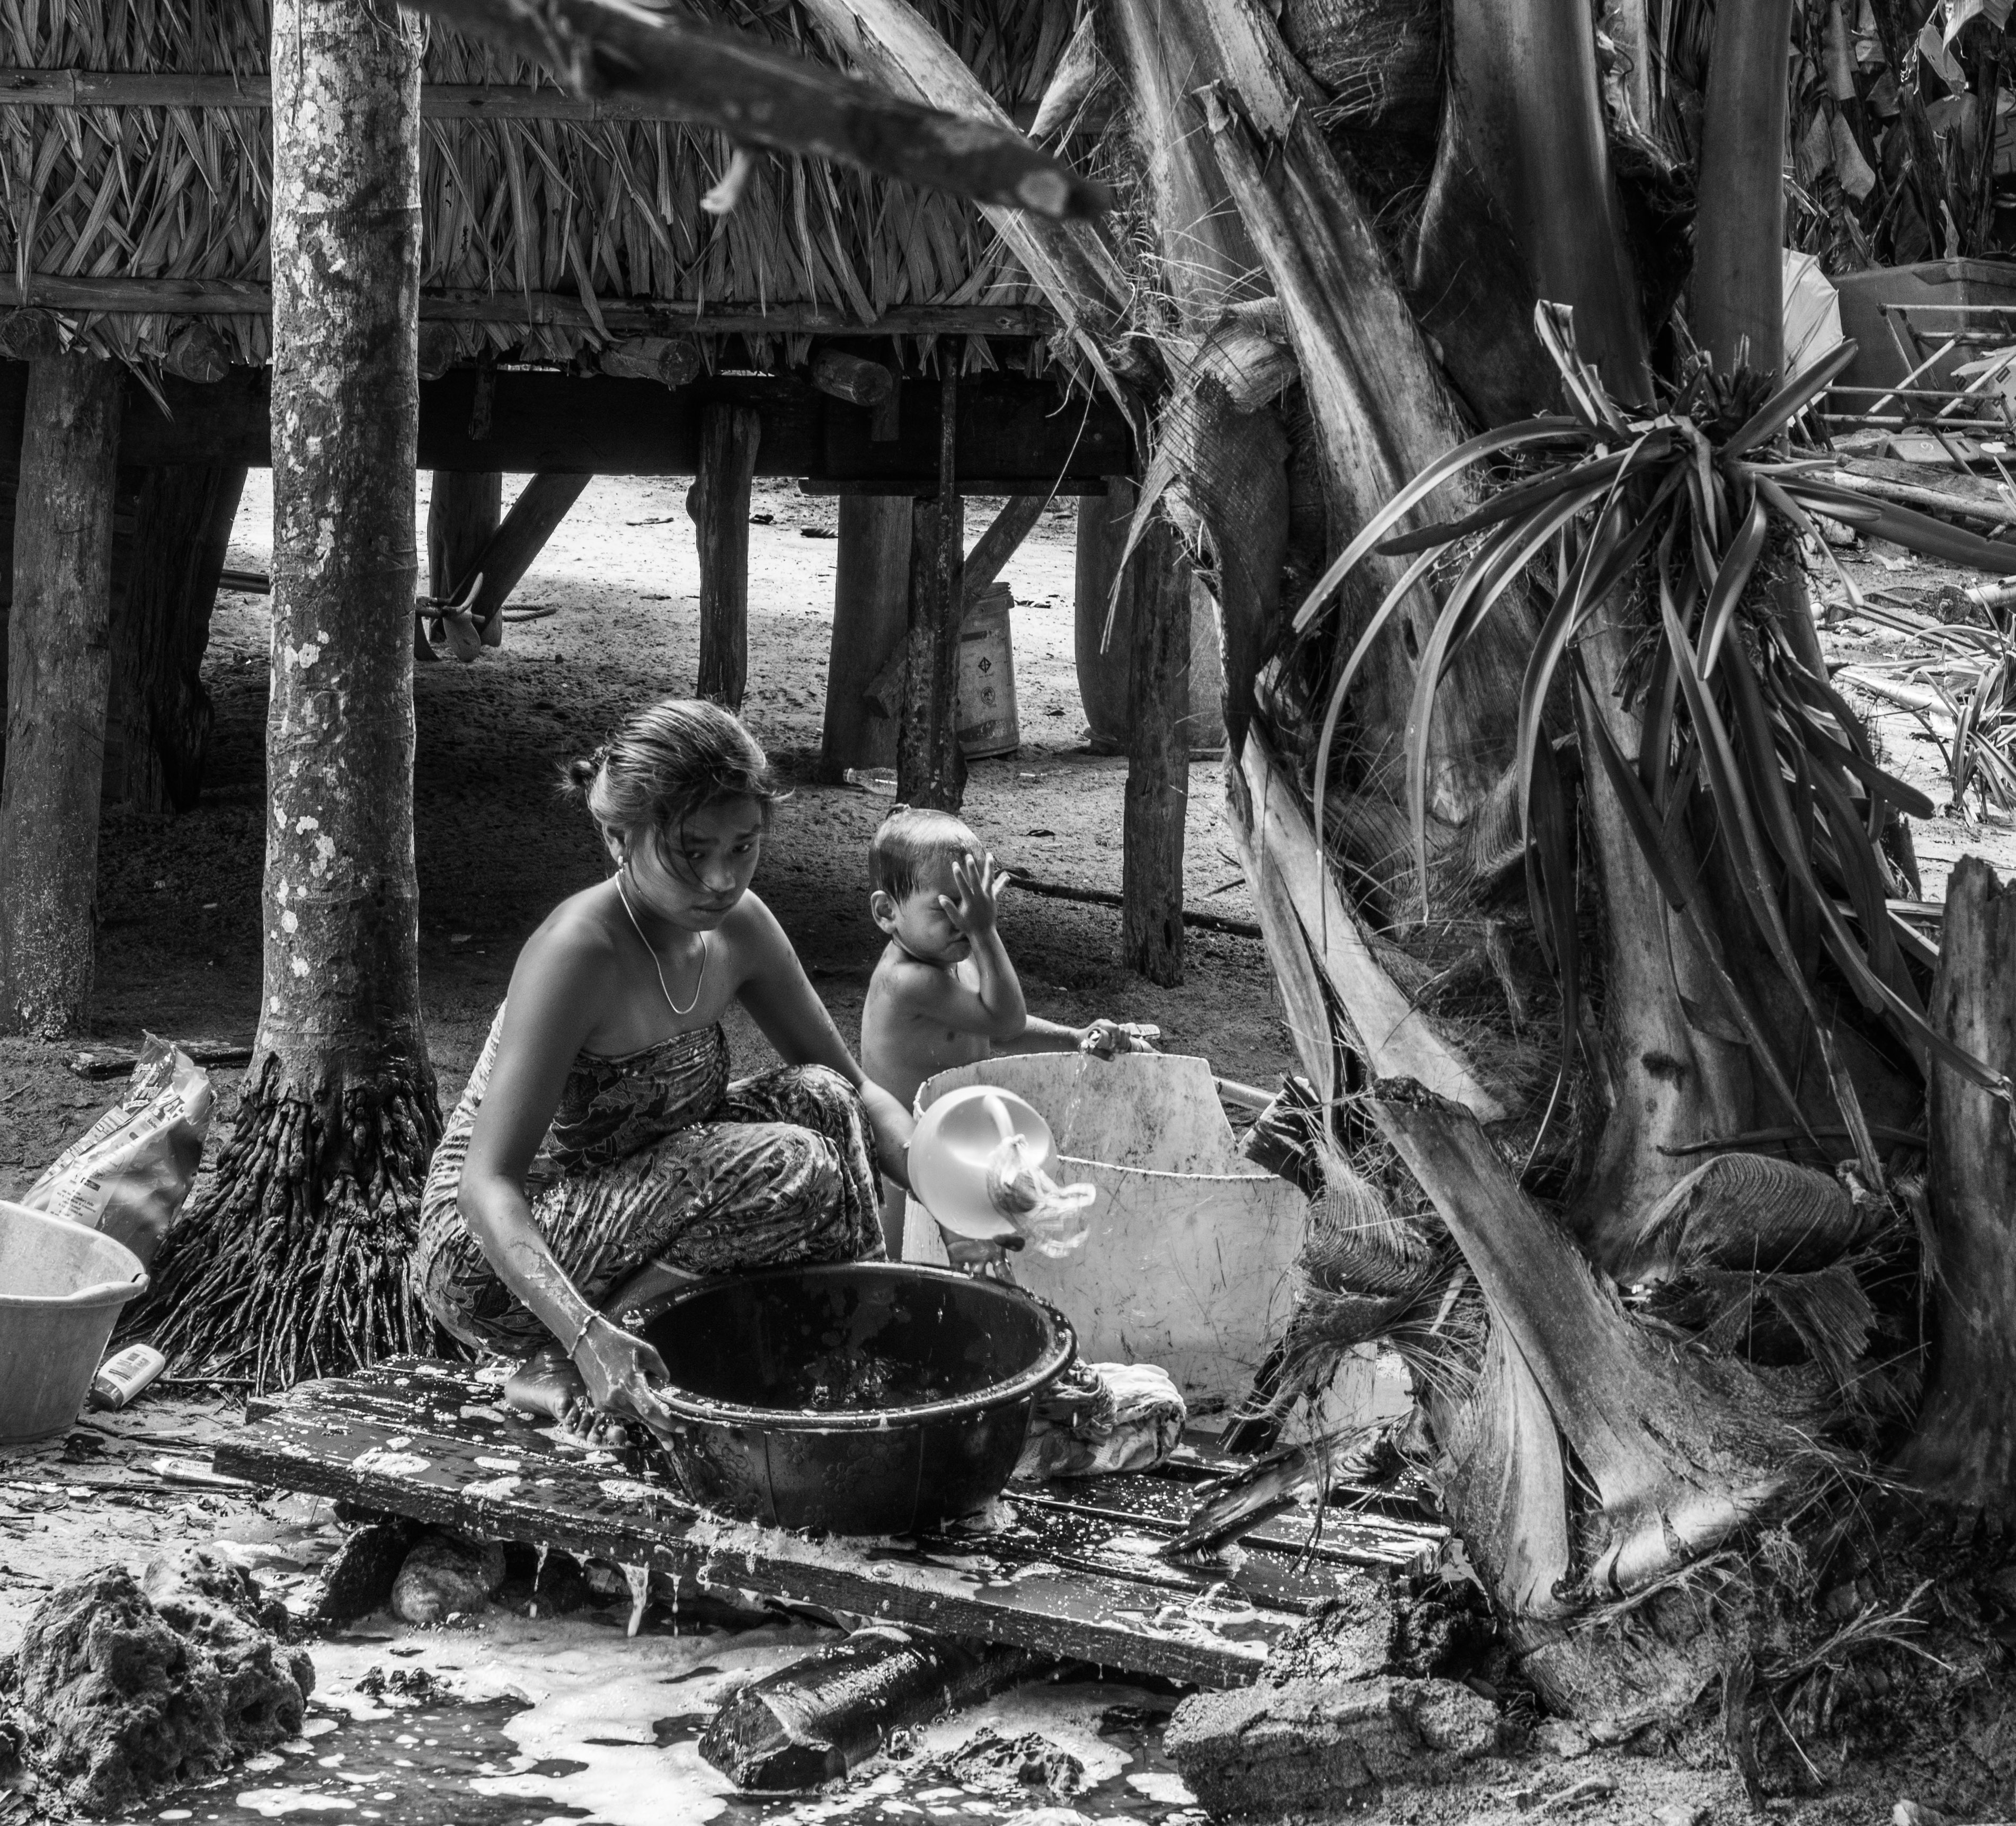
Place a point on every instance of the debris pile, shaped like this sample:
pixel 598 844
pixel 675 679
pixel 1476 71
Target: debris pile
pixel 121 1689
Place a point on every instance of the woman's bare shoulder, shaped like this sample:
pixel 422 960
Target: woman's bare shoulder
pixel 573 943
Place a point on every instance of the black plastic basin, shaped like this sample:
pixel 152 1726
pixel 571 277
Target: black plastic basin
pixel 741 1353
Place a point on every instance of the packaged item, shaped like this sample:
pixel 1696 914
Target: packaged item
pixel 129 1174
pixel 121 1377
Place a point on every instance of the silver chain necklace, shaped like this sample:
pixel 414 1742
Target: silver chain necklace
pixel 681 1012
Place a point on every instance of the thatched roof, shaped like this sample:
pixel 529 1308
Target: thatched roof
pixel 568 218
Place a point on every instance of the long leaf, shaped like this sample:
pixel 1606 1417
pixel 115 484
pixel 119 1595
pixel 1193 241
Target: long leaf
pixel 1520 436
pixel 1598 474
pixel 1731 579
pixel 1920 532
pixel 1790 399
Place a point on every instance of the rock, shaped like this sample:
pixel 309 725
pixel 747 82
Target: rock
pixel 360 1575
pixel 1565 1740
pixel 443 1576
pixel 1681 1813
pixel 1318 1746
pixel 121 1693
pixel 1913 1813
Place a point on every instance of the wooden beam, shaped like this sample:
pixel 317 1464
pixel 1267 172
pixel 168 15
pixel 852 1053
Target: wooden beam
pixel 1104 667
pixel 157 729
pixel 871 615
pixel 1000 543
pixel 720 77
pixel 59 637
pixel 1158 760
pixel 514 548
pixel 719 505
pixel 116 296
pixel 253 94
pixel 930 770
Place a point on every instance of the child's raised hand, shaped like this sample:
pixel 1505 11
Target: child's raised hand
pixel 971 905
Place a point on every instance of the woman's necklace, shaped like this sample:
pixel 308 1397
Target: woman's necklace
pixel 681 1012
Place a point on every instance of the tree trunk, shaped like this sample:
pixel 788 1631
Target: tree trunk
pixel 294 1264
pixel 719 505
pixel 158 730
pixel 930 770
pixel 1963 1454
pixel 871 620
pixel 1522 206
pixel 59 634
pixel 1105 667
pixel 1158 757
pixel 1740 228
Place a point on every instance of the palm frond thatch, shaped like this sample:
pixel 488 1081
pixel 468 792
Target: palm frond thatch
pixel 599 210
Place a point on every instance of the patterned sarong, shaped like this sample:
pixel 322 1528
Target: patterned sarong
pixel 657 1157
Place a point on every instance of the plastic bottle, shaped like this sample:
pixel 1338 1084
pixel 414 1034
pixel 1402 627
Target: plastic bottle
pixel 121 1377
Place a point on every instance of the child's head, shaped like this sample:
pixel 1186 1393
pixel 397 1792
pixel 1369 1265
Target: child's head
pixel 682 794
pixel 910 862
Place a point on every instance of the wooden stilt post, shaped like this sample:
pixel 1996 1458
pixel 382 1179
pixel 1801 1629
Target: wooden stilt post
pixel 871 620
pixel 59 632
pixel 292 1261
pixel 1104 667
pixel 930 769
pixel 463 509
pixel 719 505
pixel 1158 755
pixel 158 727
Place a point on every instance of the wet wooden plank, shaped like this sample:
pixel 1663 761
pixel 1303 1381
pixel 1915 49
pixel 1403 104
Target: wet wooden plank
pixel 429 1441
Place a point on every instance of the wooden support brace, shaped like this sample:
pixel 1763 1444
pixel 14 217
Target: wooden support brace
pixel 513 549
pixel 59 638
pixel 719 505
pixel 1158 756
pixel 847 377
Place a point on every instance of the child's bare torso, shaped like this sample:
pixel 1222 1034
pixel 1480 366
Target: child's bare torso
pixel 902 1045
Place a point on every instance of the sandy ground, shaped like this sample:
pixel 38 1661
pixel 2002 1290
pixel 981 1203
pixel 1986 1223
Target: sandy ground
pixel 179 954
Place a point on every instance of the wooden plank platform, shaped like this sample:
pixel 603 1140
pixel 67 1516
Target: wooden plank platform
pixel 1072 1569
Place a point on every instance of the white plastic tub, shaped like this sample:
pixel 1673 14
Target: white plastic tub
pixel 62 1287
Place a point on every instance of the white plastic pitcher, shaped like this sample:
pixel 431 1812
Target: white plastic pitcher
pixel 64 1287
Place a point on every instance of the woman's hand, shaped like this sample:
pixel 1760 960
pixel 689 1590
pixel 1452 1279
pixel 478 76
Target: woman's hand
pixel 623 1373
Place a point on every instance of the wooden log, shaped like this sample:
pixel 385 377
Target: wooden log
pixel 59 634
pixel 1105 667
pixel 843 376
pixel 720 77
pixel 814 1720
pixel 1158 757
pixel 661 358
pixel 871 620
pixel 157 727
pixel 1000 543
pixel 197 353
pixel 719 505
pixel 1962 1455
pixel 931 769
pixel 30 335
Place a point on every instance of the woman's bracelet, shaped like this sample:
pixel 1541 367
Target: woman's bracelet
pixel 592 1314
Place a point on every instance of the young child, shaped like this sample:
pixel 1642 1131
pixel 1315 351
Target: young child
pixel 945 994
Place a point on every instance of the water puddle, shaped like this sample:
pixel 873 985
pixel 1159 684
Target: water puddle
pixel 521 1722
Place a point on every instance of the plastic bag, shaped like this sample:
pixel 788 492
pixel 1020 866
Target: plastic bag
pixel 128 1175
pixel 1052 1218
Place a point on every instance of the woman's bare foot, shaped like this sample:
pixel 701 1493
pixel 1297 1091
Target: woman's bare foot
pixel 547 1384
